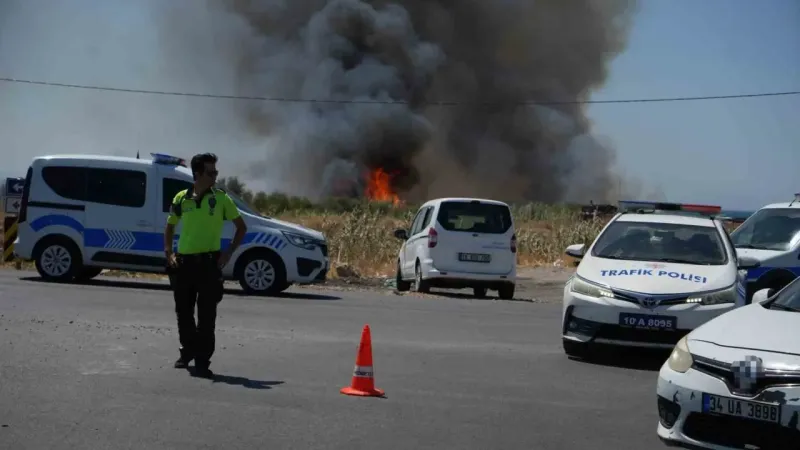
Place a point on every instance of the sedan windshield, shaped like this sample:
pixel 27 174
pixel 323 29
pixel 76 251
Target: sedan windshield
pixel 666 242
pixel 769 229
pixel 241 205
pixel 788 299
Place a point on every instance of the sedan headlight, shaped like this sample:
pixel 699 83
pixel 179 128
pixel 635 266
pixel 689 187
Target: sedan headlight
pixel 680 360
pixel 301 241
pixel 727 295
pixel 581 286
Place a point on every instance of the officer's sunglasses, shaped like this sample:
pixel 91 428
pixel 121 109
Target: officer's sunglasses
pixel 212 173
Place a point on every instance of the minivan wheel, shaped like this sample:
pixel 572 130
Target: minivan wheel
pixel 402 285
pixel 506 291
pixel 57 260
pixel 420 285
pixel 263 274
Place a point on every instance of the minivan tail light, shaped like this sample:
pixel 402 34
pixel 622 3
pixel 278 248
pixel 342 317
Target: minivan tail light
pixel 433 237
pixel 514 243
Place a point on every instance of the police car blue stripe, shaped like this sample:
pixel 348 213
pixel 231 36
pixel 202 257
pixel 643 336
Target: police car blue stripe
pixel 138 240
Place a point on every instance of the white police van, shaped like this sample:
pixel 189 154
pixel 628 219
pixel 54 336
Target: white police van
pixel 655 272
pixel 772 236
pixel 459 243
pixel 81 214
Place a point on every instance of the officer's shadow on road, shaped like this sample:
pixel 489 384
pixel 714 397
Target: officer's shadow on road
pixel 118 283
pixel 241 381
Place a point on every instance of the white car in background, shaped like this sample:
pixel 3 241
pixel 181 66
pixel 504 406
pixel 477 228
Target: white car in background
pixel 734 383
pixel 459 243
pixel 654 273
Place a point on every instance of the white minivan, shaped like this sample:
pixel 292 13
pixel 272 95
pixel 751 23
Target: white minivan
pixel 81 214
pixel 459 243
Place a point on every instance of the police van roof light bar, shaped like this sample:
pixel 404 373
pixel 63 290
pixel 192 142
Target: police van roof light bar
pixel 169 160
pixel 629 205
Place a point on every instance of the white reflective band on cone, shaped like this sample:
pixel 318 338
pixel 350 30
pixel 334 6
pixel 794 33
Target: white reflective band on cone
pixel 363 371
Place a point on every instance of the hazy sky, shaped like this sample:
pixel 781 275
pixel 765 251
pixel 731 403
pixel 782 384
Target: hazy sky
pixel 740 153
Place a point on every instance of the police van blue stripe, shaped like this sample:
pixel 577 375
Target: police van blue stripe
pixel 138 240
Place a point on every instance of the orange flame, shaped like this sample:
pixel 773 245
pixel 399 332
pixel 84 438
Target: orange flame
pixel 379 187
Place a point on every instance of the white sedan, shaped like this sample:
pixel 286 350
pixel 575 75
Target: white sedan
pixel 734 382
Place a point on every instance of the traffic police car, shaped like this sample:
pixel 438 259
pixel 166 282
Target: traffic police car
pixel 772 236
pixel 81 214
pixel 655 272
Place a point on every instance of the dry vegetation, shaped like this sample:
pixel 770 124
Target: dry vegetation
pixel 360 233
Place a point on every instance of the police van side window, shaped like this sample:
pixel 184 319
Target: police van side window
pixel 169 188
pixel 118 187
pixel 67 182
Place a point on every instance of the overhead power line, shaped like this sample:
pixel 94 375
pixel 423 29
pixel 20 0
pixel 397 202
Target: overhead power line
pixel 435 102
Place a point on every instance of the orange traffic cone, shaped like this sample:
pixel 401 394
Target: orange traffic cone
pixel 363 382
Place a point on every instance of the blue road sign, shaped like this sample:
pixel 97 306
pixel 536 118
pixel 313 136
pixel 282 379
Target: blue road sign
pixel 14 187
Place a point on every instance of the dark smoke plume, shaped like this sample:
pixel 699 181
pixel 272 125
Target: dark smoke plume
pixel 486 56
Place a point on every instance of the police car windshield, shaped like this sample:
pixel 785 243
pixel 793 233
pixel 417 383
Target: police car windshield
pixel 241 205
pixel 665 242
pixel 769 229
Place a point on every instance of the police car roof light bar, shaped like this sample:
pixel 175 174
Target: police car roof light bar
pixel 796 199
pixel 169 160
pixel 629 205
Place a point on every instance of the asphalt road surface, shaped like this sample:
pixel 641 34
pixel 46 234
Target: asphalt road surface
pixel 90 366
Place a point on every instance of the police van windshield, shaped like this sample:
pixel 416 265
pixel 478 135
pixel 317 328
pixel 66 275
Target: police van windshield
pixel 769 229
pixel 665 242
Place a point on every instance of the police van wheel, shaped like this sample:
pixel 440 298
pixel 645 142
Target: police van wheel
pixel 262 274
pixel 57 259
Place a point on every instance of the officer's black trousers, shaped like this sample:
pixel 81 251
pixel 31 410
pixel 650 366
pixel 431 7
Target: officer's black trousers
pixel 197 281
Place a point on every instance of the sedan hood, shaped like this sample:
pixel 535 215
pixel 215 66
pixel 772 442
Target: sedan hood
pixel 753 327
pixel 656 278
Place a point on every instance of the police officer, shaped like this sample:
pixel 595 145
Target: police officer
pixel 196 270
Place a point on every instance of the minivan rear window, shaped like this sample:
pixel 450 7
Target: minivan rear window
pixel 474 217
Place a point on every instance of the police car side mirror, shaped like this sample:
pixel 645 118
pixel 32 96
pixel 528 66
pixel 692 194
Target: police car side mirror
pixel 401 234
pixel 576 250
pixel 746 262
pixel 762 295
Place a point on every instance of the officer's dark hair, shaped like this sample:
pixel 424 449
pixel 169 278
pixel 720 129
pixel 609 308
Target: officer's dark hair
pixel 199 162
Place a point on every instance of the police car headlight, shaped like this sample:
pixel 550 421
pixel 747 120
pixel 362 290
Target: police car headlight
pixel 727 295
pixel 301 241
pixel 581 286
pixel 680 360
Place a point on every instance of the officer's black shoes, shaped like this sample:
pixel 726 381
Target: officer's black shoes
pixel 182 363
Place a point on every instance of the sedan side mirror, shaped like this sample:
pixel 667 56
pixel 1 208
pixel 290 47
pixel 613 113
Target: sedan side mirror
pixel 748 262
pixel 401 234
pixel 576 250
pixel 762 295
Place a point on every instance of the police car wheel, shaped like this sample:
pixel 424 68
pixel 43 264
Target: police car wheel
pixel 57 260
pixel 262 273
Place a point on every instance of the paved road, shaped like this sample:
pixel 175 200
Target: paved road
pixel 89 366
